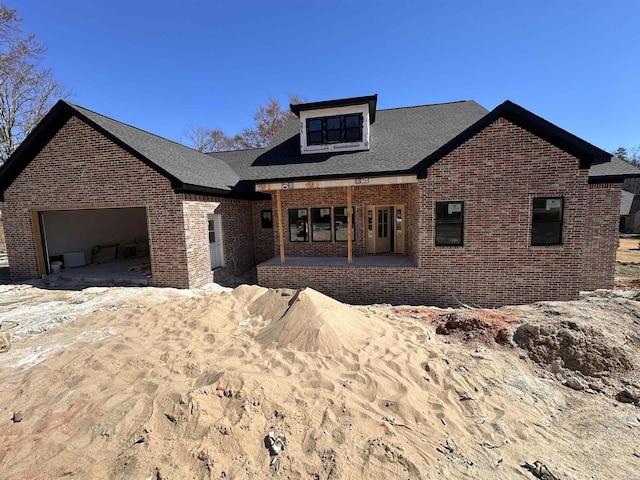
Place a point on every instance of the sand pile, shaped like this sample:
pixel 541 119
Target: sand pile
pixel 314 322
pixel 191 387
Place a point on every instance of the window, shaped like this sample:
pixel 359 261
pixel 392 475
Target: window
pixel 546 221
pixel 321 224
pixel 267 219
pixel 341 221
pixel 298 225
pixel 337 129
pixel 449 223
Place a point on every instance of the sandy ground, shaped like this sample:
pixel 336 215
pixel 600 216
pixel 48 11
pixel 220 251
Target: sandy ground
pixel 155 384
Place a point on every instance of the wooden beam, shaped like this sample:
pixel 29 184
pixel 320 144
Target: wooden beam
pixel 349 227
pixel 280 225
pixel 37 238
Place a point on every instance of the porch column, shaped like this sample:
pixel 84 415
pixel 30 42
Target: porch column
pixel 349 225
pixel 280 225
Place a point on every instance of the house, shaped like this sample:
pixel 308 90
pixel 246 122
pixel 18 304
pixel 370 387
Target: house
pixel 630 203
pixel 434 204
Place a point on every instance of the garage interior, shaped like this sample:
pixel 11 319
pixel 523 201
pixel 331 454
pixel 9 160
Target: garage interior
pixel 106 245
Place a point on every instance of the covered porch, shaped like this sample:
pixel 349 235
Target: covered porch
pixel 362 257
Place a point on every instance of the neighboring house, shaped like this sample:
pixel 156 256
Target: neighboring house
pixel 434 204
pixel 630 203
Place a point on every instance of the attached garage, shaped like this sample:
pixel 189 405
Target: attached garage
pixel 77 238
pixel 87 194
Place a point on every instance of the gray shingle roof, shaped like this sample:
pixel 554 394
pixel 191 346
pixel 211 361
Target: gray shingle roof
pixel 615 170
pixel 400 138
pixel 183 163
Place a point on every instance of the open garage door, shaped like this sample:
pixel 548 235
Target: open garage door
pixel 112 240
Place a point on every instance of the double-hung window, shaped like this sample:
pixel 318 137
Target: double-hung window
pixel 449 223
pixel 546 221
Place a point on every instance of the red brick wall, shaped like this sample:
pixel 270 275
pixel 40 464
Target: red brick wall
pixel 601 239
pixel 263 238
pixel 497 174
pixel 237 236
pixel 355 285
pixel 80 168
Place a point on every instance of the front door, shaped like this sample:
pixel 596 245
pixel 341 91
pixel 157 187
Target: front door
pixel 215 241
pixel 384 229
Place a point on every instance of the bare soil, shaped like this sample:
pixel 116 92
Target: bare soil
pixel 151 383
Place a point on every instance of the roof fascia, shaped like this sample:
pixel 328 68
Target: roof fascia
pixel 215 192
pixel 612 178
pixel 587 154
pixel 371 100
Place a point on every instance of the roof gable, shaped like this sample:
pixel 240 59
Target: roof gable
pixel 187 169
pixel 587 154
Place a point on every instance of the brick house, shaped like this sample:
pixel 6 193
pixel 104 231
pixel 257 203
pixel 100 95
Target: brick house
pixel 434 204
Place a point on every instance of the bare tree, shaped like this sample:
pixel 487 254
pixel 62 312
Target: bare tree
pixel 208 140
pixel 269 119
pixel 27 91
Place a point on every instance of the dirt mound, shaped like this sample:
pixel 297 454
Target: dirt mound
pixel 316 323
pixel 581 348
pixel 480 324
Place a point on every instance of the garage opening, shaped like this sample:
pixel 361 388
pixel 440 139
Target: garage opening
pixel 96 245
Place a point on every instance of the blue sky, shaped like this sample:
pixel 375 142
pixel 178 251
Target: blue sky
pixel 162 66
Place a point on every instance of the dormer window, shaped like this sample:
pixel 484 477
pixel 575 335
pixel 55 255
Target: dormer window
pixel 336 129
pixel 336 125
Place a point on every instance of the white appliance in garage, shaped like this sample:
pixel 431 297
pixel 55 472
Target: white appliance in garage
pixel 73 259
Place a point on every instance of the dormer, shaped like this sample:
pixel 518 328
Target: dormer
pixel 336 125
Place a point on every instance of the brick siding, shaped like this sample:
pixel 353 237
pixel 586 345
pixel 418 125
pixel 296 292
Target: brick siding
pixel 264 238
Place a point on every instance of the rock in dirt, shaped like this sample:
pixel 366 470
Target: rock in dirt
pixel 5 343
pixel 540 470
pixel 576 383
pixel 629 396
pixel 17 417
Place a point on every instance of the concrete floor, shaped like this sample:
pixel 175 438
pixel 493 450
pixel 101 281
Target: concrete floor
pixel 117 272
